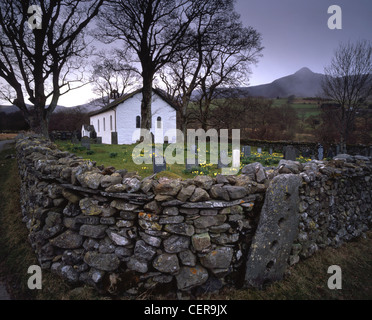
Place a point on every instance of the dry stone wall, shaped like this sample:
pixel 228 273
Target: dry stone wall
pixel 123 234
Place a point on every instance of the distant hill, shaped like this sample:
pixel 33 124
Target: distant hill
pixel 304 83
pixel 88 107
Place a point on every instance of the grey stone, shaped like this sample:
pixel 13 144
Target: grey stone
pixel 175 244
pixel 93 231
pixel 90 207
pixel 236 192
pixel 199 195
pixel 123 205
pixel 190 277
pixel 187 258
pixel 167 263
pixel 208 221
pixel 170 211
pixel 110 180
pixel 218 192
pixel 219 258
pixel 180 228
pixel 276 231
pixel 67 240
pixel 118 239
pixel 102 261
pixel 168 187
pixel 186 193
pixel 69 273
pixel 204 182
pixel 133 184
pixel 137 264
pixel 201 242
pixel 151 240
pixel 255 171
pixel 293 166
pixel 171 220
pixel 144 251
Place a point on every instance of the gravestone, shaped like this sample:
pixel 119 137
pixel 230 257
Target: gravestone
pixel 320 152
pixel 191 163
pixel 158 161
pixel 114 138
pixel 74 138
pixel 290 153
pixel 270 151
pixel 337 149
pixel 259 150
pixel 306 153
pixel 99 140
pixel 85 142
pixel 236 158
pixel 246 151
pixel 330 153
pixel 223 160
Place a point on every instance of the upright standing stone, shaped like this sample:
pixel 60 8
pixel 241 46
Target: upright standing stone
pixel 259 150
pixel 270 151
pixel 276 231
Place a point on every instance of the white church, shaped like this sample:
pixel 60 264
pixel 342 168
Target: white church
pixel 119 122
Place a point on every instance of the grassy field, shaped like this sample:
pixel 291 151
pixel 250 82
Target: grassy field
pixel 307 280
pixel 120 157
pixel 304 108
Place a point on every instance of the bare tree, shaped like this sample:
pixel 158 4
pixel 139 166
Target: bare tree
pixel 113 75
pixel 154 30
pixel 219 56
pixel 348 82
pixel 39 48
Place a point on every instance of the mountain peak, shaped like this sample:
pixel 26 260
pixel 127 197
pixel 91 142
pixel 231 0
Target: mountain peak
pixel 304 70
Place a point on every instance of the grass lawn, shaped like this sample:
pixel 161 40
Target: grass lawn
pixel 120 157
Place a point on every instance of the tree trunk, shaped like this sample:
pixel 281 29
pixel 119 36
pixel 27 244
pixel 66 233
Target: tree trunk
pixel 146 114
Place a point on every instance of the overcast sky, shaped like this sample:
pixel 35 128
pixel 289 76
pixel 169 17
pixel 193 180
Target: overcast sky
pixel 295 34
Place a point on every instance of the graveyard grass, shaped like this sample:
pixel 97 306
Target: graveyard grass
pixel 120 157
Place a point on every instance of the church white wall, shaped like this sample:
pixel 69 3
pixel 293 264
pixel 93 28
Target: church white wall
pixel 104 125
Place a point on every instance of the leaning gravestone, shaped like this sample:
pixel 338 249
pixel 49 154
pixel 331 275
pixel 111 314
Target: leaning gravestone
pixel 158 161
pixel 290 153
pixel 276 231
pixel 85 142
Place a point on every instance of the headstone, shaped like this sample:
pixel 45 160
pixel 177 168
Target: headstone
pixel 85 142
pixel 259 150
pixel 270 151
pixel 99 140
pixel 158 161
pixel 114 138
pixel 290 153
pixel 330 153
pixel 191 163
pixel 74 138
pixel 222 160
pixel 337 149
pixel 306 153
pixel 236 158
pixel 246 151
pixel 320 152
